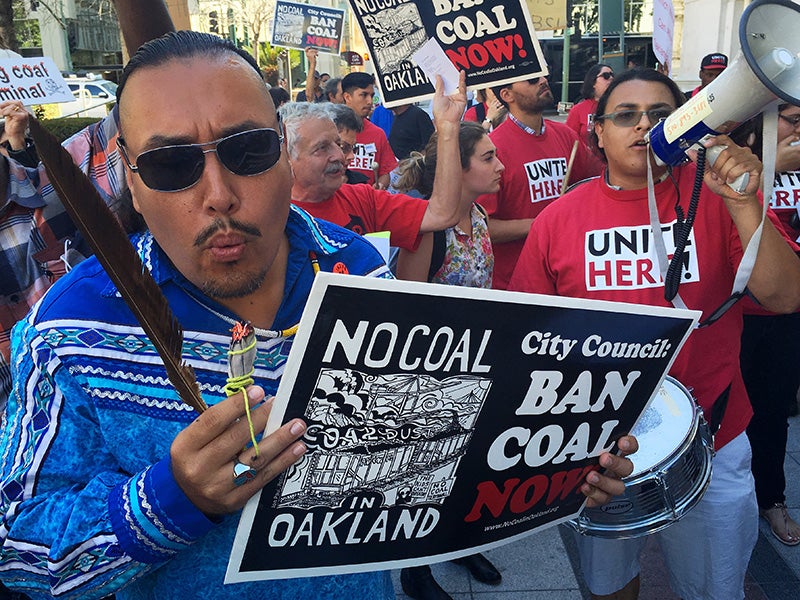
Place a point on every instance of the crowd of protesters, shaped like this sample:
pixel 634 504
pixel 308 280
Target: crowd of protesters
pixel 488 195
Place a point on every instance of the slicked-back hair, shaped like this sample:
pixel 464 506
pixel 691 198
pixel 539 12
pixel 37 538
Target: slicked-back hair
pixel 640 74
pixel 180 44
pixel 346 118
pixel 356 81
pixel 294 114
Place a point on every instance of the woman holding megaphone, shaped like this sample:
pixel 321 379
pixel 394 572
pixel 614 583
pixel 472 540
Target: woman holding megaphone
pixel 708 550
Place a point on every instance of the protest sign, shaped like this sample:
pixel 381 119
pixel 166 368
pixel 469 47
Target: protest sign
pixel 306 26
pixel 444 420
pixel 492 42
pixel 34 80
pixel 548 14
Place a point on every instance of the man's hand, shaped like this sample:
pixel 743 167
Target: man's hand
pixel 732 162
pixel 601 487
pixel 449 109
pixel 204 454
pixel 311 57
pixel 16 123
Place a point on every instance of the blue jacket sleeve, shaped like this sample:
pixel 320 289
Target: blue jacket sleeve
pixel 74 524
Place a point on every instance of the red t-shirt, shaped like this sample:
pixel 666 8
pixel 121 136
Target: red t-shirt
pixel 786 199
pixel 595 243
pixel 535 168
pixel 372 146
pixel 578 117
pixel 472 113
pixel 363 209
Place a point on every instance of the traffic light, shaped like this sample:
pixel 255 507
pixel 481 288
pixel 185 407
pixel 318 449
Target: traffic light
pixel 213 22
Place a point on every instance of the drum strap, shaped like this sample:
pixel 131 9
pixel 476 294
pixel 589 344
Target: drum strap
pixel 718 410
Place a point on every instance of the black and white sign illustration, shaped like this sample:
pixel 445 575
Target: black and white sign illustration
pixel 442 420
pixel 492 41
pixel 400 435
pixel 307 26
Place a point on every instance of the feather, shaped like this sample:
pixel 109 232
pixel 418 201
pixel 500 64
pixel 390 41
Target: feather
pixel 134 282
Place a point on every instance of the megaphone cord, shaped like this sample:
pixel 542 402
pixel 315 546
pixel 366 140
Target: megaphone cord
pixel 684 228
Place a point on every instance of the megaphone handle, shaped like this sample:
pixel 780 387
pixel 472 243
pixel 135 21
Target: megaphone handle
pixel 739 184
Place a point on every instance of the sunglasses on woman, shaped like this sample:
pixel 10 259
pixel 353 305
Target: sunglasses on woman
pixel 606 75
pixel 629 118
pixel 177 168
pixel 793 120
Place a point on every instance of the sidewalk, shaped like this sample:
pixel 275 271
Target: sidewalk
pixel 544 566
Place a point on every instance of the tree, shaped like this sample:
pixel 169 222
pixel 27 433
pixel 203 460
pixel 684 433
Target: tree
pixel 8 35
pixel 256 14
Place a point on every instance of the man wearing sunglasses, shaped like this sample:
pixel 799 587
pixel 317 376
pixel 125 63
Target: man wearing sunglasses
pixel 596 242
pixel 111 485
pixel 536 153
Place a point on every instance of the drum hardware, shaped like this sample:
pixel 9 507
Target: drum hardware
pixel 672 470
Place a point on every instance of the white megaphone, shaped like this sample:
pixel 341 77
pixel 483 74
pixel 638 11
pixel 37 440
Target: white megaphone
pixel 766 68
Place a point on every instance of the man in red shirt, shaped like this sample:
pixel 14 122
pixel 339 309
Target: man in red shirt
pixel 315 152
pixel 596 242
pixel 536 153
pixel 710 68
pixel 358 90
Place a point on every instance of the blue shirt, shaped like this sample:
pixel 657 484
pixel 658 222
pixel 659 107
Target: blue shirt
pixel 88 501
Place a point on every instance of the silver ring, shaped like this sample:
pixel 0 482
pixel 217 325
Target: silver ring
pixel 242 473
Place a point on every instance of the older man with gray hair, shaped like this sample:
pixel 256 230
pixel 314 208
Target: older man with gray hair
pixel 315 149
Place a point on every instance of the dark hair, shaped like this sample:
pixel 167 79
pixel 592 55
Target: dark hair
pixel 587 89
pixel 496 91
pixel 417 172
pixel 357 81
pixel 180 44
pixel 279 96
pixel 346 118
pixel 331 87
pixel 637 73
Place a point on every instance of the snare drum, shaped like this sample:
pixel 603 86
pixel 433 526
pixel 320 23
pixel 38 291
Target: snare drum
pixel 671 470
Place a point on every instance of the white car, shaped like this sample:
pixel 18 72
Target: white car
pixel 94 97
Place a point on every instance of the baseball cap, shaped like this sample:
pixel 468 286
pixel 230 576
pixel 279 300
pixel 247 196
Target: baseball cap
pixel 714 61
pixel 316 73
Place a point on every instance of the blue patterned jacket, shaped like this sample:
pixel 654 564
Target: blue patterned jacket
pixel 89 505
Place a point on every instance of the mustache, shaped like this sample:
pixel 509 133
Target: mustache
pixel 334 168
pixel 231 225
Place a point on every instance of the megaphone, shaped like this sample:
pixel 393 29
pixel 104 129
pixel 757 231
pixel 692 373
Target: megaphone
pixel 766 68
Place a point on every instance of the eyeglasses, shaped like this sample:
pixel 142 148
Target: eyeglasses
pixel 606 75
pixel 179 167
pixel 793 120
pixel 630 118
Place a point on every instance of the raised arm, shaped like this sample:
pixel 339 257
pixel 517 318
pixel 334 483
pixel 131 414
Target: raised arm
pixel 311 57
pixel 442 209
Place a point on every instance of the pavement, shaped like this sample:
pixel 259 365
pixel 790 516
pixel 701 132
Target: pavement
pixel 545 566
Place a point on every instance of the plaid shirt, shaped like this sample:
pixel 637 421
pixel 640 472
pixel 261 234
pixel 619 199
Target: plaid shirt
pixel 37 237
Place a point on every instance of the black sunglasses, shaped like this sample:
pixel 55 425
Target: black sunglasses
pixel 793 120
pixel 177 168
pixel 629 118
pixel 606 75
